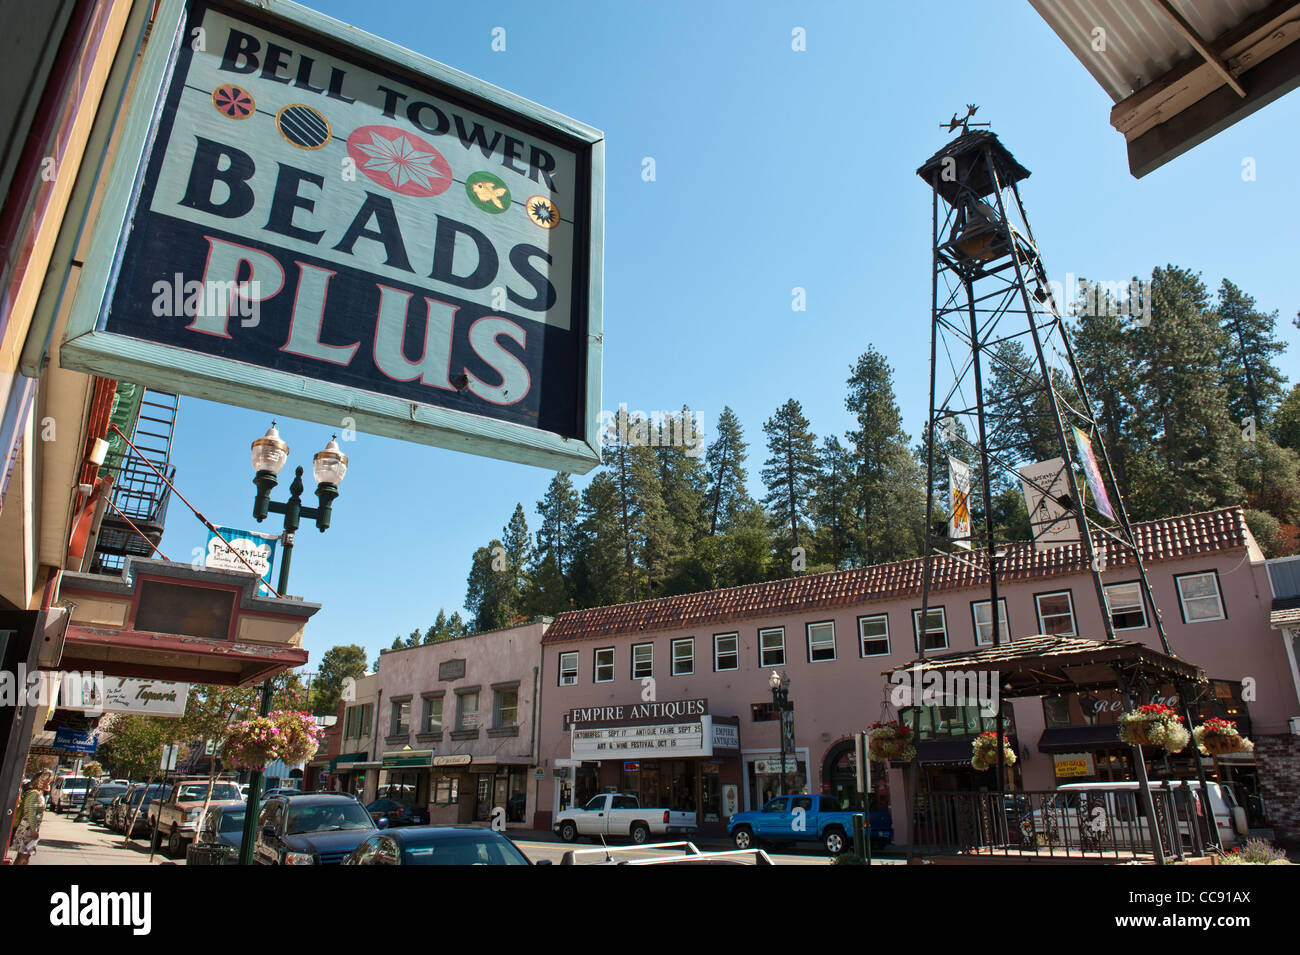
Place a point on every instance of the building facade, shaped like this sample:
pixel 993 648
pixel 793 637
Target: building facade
pixel 455 726
pixel 670 698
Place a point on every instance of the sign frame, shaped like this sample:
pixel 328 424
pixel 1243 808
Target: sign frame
pixel 88 347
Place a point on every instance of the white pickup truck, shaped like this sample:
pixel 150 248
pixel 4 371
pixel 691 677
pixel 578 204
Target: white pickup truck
pixel 617 814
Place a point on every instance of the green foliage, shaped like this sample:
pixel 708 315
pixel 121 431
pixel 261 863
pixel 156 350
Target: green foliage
pixel 1267 532
pixel 133 748
pixel 336 665
pixel 790 472
pixel 728 497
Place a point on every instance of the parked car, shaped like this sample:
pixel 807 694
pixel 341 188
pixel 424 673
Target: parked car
pixel 393 813
pixel 142 797
pixel 113 815
pixel 805 819
pixel 279 791
pixel 100 796
pixel 618 814
pixel 438 845
pixel 176 816
pixel 666 853
pixel 223 825
pixel 310 829
pixel 68 793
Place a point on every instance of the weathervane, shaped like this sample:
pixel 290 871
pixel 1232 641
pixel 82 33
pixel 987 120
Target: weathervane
pixel 965 123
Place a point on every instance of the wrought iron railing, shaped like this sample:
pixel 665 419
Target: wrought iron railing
pixel 1083 824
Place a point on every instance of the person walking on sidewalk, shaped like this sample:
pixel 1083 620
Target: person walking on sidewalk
pixel 31 809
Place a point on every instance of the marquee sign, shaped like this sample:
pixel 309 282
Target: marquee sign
pixel 312 221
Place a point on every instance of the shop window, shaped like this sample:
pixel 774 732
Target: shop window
pixel 821 641
pixel 984 622
pixel 1198 594
pixel 643 659
pixel 506 708
pixel 1055 613
pixel 467 711
pixel 771 647
pixel 684 657
pixel 873 633
pixel 726 651
pixel 604 665
pixel 446 790
pixel 569 668
pixel 1127 610
pixel 432 714
pixel 366 712
pixel 936 629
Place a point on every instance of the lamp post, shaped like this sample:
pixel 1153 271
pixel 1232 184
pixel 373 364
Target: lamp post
pixel 780 695
pixel 329 467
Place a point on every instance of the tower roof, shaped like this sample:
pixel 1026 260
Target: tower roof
pixel 967 150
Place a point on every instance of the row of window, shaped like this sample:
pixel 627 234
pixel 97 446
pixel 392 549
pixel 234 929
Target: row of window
pixel 1198 596
pixel 505 712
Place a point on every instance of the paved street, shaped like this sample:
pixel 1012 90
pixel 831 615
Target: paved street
pixel 66 842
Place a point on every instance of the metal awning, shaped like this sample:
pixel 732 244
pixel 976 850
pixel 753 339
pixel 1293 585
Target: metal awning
pixel 348 760
pixel 1072 739
pixel 1180 71
pixel 407 759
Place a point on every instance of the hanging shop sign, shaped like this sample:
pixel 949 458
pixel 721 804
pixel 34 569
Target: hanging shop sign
pixel 308 220
pixel 959 532
pixel 125 695
pixel 256 549
pixel 1045 485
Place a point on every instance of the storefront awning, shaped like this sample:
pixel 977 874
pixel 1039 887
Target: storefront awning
pixel 950 751
pixel 408 759
pixel 1073 739
pixel 348 759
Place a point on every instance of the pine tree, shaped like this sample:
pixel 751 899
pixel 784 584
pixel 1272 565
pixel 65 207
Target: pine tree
pixel 1196 445
pixel 683 484
pixel 438 631
pixel 833 502
pixel 1253 380
pixel 889 489
pixel 518 544
pixel 599 569
pixel 1018 420
pixel 488 594
pixel 790 472
pixel 725 461
pixel 559 513
pixel 1285 423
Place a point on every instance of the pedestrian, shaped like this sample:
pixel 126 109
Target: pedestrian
pixel 31 808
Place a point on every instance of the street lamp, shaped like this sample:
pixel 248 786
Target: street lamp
pixel 780 695
pixel 329 466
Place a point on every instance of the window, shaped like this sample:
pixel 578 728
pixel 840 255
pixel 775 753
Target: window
pixel 1199 597
pixel 366 712
pixel 771 647
pixel 569 668
pixel 684 656
pixel 643 660
pixel 936 629
pixel 401 717
pixel 432 715
pixel 505 708
pixel 467 711
pixel 604 665
pixel 821 641
pixel 984 622
pixel 1127 611
pixel 726 651
pixel 1055 613
pixel 873 634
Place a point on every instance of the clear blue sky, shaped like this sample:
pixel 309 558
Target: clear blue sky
pixel 774 169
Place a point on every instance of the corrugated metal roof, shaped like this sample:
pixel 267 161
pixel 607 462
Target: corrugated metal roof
pixel 1142 43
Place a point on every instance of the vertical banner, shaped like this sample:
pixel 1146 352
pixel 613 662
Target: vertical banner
pixel 959 532
pixel 258 549
pixel 1089 461
pixel 1052 524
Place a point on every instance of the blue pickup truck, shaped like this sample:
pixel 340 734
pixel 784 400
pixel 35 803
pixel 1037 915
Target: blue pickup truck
pixel 806 819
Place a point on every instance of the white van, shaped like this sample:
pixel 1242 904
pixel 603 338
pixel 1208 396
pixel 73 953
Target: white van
pixel 1128 811
pixel 68 792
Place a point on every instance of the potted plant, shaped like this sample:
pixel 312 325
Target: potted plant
pixel 1154 724
pixel 251 744
pixel 890 740
pixel 984 751
pixel 299 736
pixel 1216 736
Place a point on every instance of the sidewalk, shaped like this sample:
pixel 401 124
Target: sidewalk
pixel 64 842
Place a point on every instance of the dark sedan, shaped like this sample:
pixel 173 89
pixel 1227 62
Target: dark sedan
pixel 438 845
pixel 397 813
pixel 101 796
pixel 223 825
pixel 310 829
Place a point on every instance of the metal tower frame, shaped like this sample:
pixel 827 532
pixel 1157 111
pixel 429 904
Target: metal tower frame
pixel 990 288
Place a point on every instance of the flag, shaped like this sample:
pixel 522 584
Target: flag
pixel 1089 461
pixel 959 502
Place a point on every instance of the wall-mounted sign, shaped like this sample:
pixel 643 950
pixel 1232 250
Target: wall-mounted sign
pixel 76 741
pixel 1073 764
pixel 451 669
pixel 726 735
pixel 308 220
pixel 635 714
pixel 126 695
pixel 407 758
pixel 256 548
pixel 459 759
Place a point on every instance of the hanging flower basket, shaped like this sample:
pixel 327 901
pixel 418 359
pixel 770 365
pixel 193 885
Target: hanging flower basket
pixel 299 736
pixel 984 752
pixel 1215 737
pixel 1154 725
pixel 886 741
pixel 251 744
